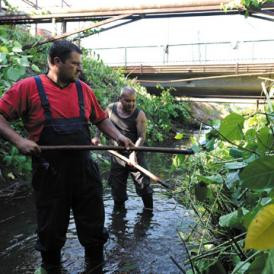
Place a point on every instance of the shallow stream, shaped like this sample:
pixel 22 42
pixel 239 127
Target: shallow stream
pixel 139 242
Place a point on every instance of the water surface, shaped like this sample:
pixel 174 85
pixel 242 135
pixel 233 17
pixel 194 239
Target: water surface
pixel 140 242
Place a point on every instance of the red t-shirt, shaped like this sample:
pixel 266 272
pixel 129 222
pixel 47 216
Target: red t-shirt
pixel 22 100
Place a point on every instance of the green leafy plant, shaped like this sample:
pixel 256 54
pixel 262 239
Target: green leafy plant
pixel 21 163
pixel 229 184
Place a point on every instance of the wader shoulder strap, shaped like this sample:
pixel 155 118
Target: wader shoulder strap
pixel 135 114
pixel 43 97
pixel 80 99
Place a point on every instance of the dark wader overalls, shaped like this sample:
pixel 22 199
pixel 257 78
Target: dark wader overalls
pixel 119 170
pixel 64 180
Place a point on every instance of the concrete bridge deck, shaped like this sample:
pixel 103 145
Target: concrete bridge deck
pixel 204 81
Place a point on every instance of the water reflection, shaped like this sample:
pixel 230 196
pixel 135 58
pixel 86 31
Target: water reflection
pixel 140 241
pixel 143 224
pixel 119 225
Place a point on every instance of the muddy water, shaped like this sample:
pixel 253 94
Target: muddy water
pixel 140 242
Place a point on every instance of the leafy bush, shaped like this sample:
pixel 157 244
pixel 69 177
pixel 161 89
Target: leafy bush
pixel 230 183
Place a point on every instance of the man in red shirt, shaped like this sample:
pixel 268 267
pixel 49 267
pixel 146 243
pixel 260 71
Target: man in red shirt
pixel 56 109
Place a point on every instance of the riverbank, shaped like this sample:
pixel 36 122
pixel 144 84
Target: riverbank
pixel 206 112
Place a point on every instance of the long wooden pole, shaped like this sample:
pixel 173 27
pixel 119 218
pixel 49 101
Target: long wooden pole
pixel 119 148
pixel 140 168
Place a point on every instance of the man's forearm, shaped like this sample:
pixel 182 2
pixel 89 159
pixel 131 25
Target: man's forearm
pixel 107 127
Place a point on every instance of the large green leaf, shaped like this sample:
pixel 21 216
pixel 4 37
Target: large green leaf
pixel 269 266
pixel 231 127
pixel 235 152
pixel 195 148
pixel 233 219
pixel 265 140
pixel 231 178
pixel 3 58
pixel 23 61
pixel 258 264
pixel 17 47
pixel 3 40
pixel 250 135
pixel 178 160
pixel 241 267
pixel 259 174
pixel 235 165
pixel 212 179
pixel 35 68
pixel 14 73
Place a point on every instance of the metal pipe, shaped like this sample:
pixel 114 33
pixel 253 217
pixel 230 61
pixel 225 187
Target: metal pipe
pixel 62 36
pixel 97 14
pixel 129 7
pixel 137 9
pixel 19 19
pixel 152 4
pixel 151 7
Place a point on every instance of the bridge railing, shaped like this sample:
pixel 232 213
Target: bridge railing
pixel 223 52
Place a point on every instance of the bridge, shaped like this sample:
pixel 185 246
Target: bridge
pixel 223 69
pixel 226 70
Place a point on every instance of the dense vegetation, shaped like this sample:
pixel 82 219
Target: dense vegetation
pixel 16 64
pixel 229 183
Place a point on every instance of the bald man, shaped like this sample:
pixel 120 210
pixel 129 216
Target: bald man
pixel 131 122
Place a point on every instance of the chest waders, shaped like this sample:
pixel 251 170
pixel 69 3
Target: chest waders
pixel 120 171
pixel 66 180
